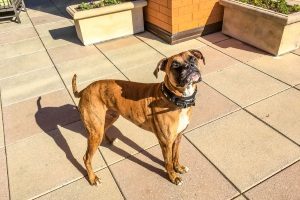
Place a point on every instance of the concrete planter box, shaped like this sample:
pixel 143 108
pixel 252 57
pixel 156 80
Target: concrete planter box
pixel 109 22
pixel 267 30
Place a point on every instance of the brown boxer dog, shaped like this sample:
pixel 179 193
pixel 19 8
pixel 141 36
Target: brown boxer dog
pixel 162 108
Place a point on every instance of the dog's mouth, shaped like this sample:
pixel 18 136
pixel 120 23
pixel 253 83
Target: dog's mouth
pixel 190 78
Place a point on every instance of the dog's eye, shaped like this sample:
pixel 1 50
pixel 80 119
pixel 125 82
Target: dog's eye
pixel 192 59
pixel 175 65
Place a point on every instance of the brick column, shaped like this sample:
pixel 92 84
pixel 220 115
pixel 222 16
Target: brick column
pixel 179 20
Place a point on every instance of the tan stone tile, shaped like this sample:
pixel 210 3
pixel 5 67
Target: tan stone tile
pixel 240 198
pixel 22 64
pixel 42 10
pixel 48 160
pixel 297 52
pixel 131 139
pixel 298 86
pixel 215 61
pixel 213 38
pixel 32 84
pixel 243 84
pixel 284 68
pixel 9 25
pixel 39 114
pixel 117 76
pixel 20 48
pixel 167 49
pixel 61 40
pixel 47 17
pixel 210 105
pixel 281 111
pixel 16 36
pixel 144 177
pixel 244 149
pixel 129 52
pixel 88 68
pixel 4 192
pixel 239 50
pixel 56 28
pixel 1 125
pixel 284 185
pixel 144 74
pixel 71 52
pixel 81 189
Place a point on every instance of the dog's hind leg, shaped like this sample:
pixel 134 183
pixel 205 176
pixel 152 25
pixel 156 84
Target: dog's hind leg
pixel 110 118
pixel 94 123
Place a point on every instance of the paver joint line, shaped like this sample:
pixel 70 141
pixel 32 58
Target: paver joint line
pixel 235 187
pixel 5 150
pixel 112 174
pixel 264 180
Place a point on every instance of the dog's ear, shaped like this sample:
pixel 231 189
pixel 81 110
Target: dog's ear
pixel 161 65
pixel 198 54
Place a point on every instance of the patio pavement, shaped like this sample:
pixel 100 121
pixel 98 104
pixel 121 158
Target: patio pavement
pixel 242 143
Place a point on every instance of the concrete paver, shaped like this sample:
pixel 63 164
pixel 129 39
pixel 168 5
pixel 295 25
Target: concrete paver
pixel 244 149
pixel 284 68
pixel 47 17
pixel 70 52
pixel 48 160
pixel 240 198
pixel 7 26
pixel 281 111
pixel 62 27
pixel 91 67
pixel 243 84
pixel 15 66
pixel 166 49
pixel 20 48
pixel 130 52
pixel 284 185
pixel 81 190
pixel 44 113
pixel 297 52
pixel 130 140
pixel 215 61
pixel 239 50
pixel 60 40
pixel 32 84
pixel 213 38
pixel 4 191
pixel 143 177
pixel 16 36
pixel 1 127
pixel 210 105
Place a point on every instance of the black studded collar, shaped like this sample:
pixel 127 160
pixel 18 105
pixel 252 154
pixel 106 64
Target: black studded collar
pixel 181 102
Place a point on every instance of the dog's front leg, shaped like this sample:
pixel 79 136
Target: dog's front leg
pixel 177 167
pixel 167 151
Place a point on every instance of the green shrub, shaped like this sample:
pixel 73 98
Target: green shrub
pixel 97 4
pixel 280 6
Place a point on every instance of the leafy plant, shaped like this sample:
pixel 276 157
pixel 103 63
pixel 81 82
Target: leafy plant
pixel 280 6
pixel 97 4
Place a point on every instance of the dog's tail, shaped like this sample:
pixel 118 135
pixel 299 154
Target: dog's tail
pixel 74 87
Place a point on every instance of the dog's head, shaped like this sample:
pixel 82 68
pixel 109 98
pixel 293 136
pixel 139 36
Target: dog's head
pixel 182 69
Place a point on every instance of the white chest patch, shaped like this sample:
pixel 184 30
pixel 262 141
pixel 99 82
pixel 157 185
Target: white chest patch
pixel 183 120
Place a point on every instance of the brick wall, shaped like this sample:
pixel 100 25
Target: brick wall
pixel 181 15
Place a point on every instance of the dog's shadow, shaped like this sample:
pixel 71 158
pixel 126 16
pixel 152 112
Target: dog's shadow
pixel 50 118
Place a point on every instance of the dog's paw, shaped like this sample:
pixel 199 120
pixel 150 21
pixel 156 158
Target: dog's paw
pixel 181 169
pixel 178 181
pixel 95 181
